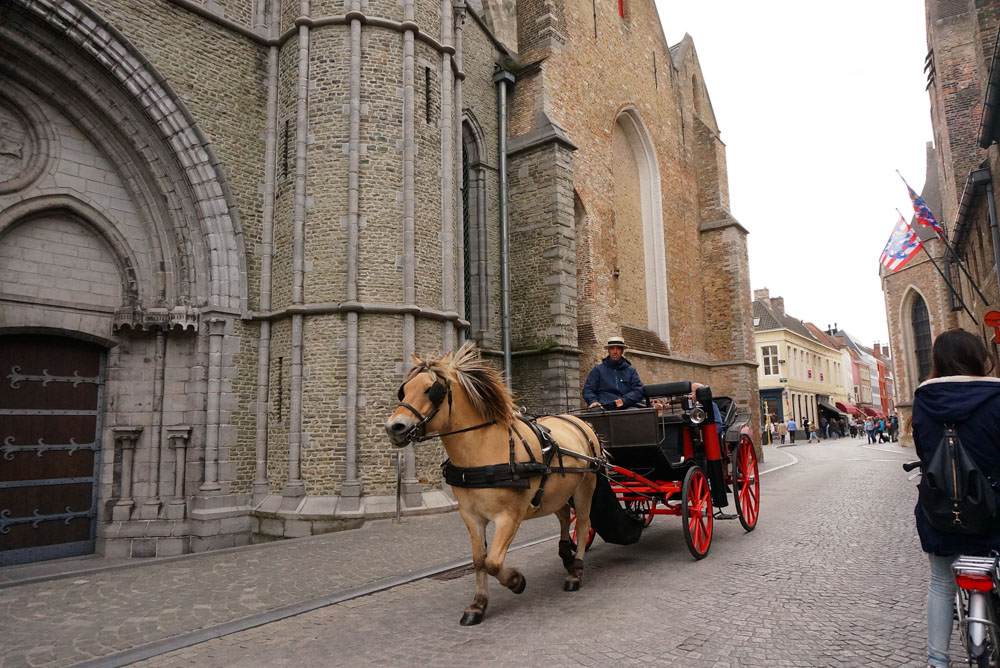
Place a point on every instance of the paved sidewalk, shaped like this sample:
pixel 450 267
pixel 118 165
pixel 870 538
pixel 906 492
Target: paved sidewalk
pixel 63 621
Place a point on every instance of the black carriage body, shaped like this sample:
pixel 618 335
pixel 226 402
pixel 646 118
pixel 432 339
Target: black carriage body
pixel 648 441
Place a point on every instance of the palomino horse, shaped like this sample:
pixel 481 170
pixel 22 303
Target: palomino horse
pixel 495 479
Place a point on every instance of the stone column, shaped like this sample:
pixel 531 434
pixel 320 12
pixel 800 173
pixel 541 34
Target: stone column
pixel 150 507
pixel 178 438
pixel 216 331
pixel 125 439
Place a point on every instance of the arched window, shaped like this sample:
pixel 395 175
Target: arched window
pixel 475 233
pixel 642 286
pixel 921 323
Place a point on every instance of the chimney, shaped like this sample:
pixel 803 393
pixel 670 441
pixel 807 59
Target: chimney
pixel 885 351
pixel 762 295
pixel 778 305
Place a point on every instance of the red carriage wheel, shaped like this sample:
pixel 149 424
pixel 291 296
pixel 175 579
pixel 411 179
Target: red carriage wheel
pixel 572 533
pixel 696 512
pixel 746 483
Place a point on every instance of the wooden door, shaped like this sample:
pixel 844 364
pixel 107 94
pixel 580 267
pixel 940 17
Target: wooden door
pixel 50 403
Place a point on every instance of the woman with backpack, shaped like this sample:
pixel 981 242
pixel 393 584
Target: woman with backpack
pixel 958 394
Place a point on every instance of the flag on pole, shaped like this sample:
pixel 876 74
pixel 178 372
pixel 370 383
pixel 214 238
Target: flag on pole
pixel 923 212
pixel 903 244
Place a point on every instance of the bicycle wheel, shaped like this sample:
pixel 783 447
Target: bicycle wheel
pixel 980 634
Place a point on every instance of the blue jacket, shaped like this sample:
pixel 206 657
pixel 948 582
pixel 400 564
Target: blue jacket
pixel 973 406
pixel 609 381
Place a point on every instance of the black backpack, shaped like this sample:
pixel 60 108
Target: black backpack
pixel 955 496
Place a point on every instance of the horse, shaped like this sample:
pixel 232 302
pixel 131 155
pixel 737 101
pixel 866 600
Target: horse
pixel 496 464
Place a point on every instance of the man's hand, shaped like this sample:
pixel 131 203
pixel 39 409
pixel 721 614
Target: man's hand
pixel 619 403
pixel 594 404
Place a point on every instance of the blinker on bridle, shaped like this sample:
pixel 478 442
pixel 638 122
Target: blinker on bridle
pixel 437 394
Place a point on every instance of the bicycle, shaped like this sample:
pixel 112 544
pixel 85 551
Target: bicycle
pixel 977 602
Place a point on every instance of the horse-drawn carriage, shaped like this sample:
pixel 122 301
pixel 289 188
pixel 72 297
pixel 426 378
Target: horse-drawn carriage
pixel 671 458
pixel 614 469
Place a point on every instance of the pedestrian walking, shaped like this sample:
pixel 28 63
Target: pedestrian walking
pixel 870 429
pixel 813 433
pixel 883 437
pixel 824 427
pixel 854 427
pixel 894 428
pixel 843 428
pixel 782 431
pixel 774 433
pixel 792 428
pixel 958 394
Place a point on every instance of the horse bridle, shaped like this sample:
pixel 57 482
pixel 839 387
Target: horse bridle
pixel 437 394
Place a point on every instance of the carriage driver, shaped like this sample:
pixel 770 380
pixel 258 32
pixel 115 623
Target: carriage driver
pixel 614 383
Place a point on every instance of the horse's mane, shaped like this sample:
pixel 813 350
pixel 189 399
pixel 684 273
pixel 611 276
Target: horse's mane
pixel 483 384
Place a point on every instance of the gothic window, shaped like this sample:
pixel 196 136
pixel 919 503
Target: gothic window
pixel 475 235
pixel 920 321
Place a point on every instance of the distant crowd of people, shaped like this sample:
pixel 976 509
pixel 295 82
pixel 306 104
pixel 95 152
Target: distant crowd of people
pixel 877 430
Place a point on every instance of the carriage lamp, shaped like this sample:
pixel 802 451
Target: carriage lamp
pixel 821 375
pixel 698 414
pixel 810 373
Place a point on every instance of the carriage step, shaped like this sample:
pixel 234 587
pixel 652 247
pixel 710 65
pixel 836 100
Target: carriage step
pixel 723 516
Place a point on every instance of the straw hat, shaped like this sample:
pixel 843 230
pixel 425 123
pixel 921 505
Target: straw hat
pixel 616 341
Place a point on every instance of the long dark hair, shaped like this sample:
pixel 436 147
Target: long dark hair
pixel 956 352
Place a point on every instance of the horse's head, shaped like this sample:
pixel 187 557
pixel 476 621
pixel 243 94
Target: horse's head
pixel 421 397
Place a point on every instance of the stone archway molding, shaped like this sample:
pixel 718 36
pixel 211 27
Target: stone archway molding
pixel 41 138
pixel 216 210
pixel 81 212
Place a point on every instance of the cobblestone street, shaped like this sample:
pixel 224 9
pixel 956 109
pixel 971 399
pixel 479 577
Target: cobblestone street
pixel 833 575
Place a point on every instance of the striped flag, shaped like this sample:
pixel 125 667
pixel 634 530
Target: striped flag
pixel 923 212
pixel 903 244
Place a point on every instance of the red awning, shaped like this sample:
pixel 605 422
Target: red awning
pixel 873 412
pixel 845 407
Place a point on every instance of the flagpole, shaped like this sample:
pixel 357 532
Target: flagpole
pixel 946 279
pixel 951 250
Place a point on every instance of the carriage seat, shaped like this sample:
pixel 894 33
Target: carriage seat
pixel 667 389
pixel 727 407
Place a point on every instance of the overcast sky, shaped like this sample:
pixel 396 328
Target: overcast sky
pixel 818 104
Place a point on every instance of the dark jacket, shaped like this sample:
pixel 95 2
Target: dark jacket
pixel 609 381
pixel 973 406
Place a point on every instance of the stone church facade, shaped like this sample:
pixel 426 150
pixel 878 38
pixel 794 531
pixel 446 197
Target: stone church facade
pixel 225 226
pixel 963 164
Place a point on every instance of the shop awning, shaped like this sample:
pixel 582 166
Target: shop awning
pixel 848 408
pixel 873 412
pixel 829 409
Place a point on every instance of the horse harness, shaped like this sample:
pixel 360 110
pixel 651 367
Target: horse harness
pixel 513 474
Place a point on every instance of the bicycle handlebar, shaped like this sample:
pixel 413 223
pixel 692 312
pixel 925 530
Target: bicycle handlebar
pixel 909 466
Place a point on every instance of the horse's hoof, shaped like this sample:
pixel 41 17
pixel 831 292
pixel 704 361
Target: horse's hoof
pixel 519 587
pixel 471 618
pixel 571 585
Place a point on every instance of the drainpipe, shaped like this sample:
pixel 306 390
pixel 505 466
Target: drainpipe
pixel 991 201
pixel 260 483
pixel 410 28
pixel 447 176
pixel 503 79
pixel 460 277
pixel 295 487
pixel 350 489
